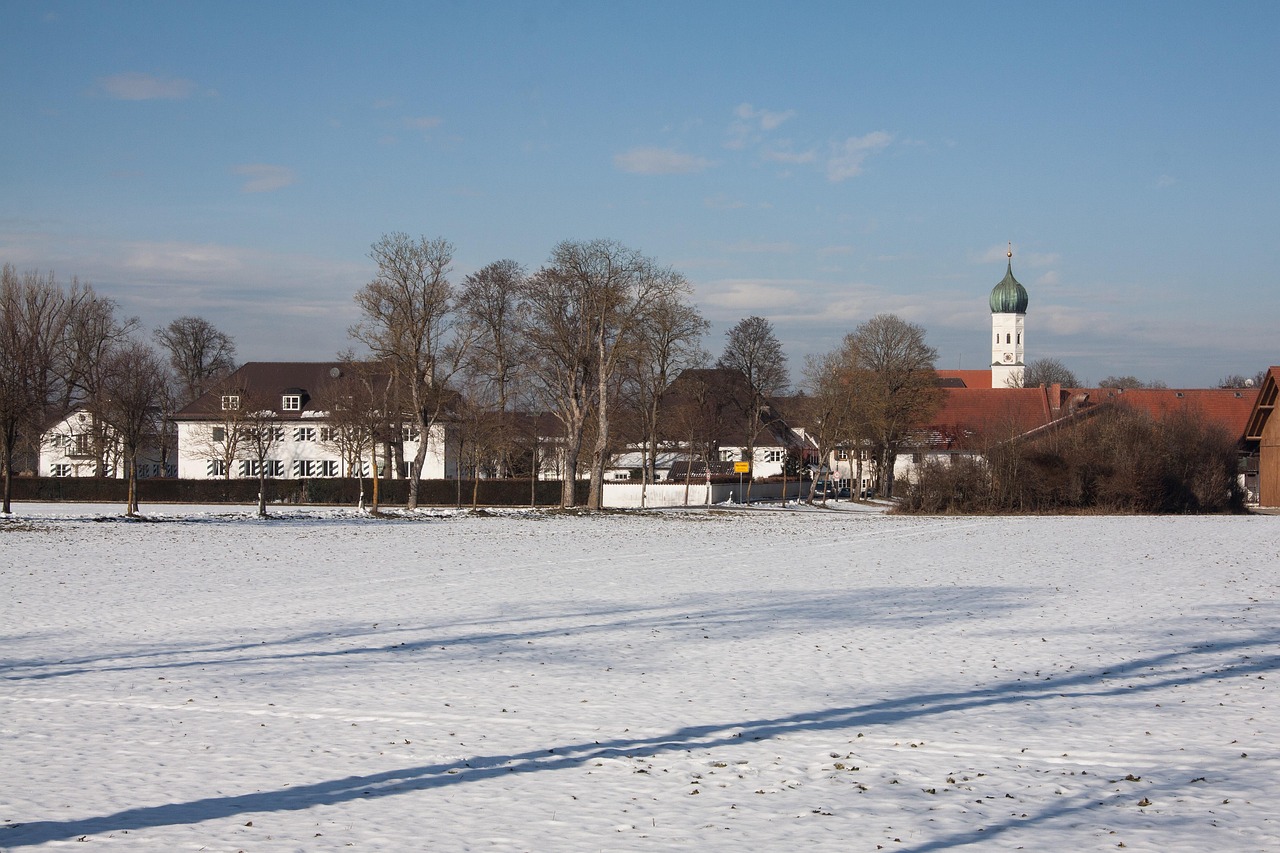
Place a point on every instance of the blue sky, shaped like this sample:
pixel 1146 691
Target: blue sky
pixel 814 163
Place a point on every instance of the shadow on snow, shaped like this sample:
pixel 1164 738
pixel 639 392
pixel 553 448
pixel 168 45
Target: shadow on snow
pixel 1124 678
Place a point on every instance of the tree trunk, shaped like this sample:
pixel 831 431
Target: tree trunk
pixel 415 471
pixel 132 463
pixel 7 509
pixel 262 491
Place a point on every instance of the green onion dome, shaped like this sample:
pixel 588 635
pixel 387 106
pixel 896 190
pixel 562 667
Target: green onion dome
pixel 1009 297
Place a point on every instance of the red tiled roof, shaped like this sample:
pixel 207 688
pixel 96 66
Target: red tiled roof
pixel 970 378
pixel 972 414
pixel 1229 407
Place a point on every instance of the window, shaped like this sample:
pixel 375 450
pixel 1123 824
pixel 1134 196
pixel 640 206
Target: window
pixel 216 468
pixel 81 445
pixel 62 470
pixel 1008 339
pixel 329 434
pixel 409 433
pixel 230 402
pixel 773 455
pixel 291 403
pixel 328 468
pixel 270 468
pixel 842 455
pixel 1019 337
pixel 304 468
pixel 304 434
pixel 728 455
pixel 219 433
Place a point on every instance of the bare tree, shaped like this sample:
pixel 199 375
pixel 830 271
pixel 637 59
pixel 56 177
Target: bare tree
pixel 669 343
pixel 359 420
pixel 754 349
pixel 94 337
pixel 408 324
pixel 1046 372
pixel 1235 380
pixel 260 433
pixel 586 310
pixel 492 303
pixel 559 341
pixel 826 409
pixel 199 354
pixel 1130 382
pixel 893 385
pixel 133 389
pixel 35 313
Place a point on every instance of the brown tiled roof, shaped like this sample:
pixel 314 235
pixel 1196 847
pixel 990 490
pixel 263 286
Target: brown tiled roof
pixel 268 379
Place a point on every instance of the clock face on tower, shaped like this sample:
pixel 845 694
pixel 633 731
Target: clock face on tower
pixel 1008 357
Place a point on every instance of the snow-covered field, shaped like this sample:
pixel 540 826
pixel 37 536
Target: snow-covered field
pixel 728 680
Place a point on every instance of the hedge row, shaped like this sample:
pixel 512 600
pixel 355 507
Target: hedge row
pixel 314 491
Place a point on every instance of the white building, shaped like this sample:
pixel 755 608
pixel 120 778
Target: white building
pixel 79 446
pixel 288 398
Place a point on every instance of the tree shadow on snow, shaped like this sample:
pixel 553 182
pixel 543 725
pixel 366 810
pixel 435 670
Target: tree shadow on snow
pixel 1207 661
pixel 756 615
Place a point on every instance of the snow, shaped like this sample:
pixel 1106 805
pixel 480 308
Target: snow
pixel 724 679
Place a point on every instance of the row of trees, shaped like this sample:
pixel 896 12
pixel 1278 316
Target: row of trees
pixel 65 347
pixel 595 337
pixel 598 327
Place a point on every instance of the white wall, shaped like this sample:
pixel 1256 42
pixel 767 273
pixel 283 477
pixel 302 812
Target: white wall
pixel 195 451
pixel 628 495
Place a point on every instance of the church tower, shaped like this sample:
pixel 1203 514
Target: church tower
pixel 1008 314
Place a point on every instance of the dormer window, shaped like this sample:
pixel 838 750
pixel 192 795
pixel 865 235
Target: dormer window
pixel 291 403
pixel 230 402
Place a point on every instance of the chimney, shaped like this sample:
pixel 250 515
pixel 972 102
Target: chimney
pixel 1055 399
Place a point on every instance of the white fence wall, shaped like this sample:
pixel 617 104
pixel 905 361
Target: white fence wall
pixel 628 495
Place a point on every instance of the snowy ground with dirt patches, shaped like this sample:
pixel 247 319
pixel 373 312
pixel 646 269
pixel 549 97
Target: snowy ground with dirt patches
pixel 720 680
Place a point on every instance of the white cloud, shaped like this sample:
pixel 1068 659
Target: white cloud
pixel 422 122
pixel 1165 181
pixel 847 157
pixel 765 119
pixel 750 294
pixel 136 86
pixel 782 155
pixel 659 161
pixel 264 177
